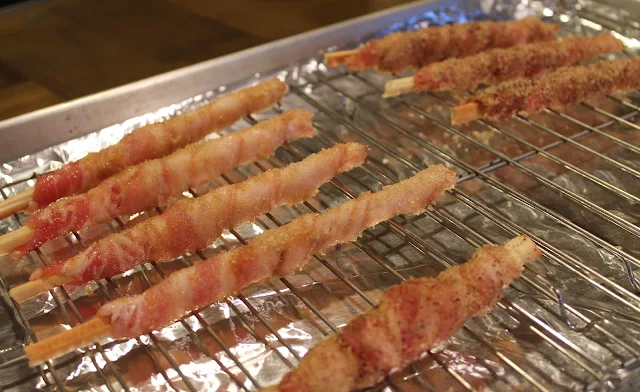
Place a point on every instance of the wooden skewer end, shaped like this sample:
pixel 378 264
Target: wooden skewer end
pixel 67 341
pixel 15 203
pixel 464 113
pixel 335 59
pixel 13 239
pixel 398 87
pixel 35 287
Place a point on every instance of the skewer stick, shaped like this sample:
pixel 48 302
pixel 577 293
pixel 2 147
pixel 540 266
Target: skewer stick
pixel 35 287
pixel 464 113
pixel 398 87
pixel 15 203
pixel 13 239
pixel 338 58
pixel 69 340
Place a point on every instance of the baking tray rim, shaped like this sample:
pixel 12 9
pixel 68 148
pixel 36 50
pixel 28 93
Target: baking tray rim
pixel 35 131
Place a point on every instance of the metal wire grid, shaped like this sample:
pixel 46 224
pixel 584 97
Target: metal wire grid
pixel 563 328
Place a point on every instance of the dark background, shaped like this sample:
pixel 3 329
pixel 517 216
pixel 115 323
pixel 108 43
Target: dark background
pixel 52 51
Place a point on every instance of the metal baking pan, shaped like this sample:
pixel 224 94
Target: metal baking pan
pixel 569 179
pixel 56 124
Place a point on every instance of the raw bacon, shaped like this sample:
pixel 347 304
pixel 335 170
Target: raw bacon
pixel 154 141
pixel 153 183
pixel 192 224
pixel 411 318
pixel 277 252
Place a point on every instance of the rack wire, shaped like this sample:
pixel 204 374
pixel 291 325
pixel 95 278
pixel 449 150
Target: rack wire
pixel 543 335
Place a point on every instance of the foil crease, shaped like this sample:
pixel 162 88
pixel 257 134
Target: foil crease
pixel 256 337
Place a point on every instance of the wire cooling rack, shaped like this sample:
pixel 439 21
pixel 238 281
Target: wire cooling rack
pixel 568 179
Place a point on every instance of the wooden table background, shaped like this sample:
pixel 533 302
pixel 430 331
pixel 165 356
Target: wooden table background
pixel 57 50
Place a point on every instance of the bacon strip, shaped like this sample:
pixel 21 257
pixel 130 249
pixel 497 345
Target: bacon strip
pixel 412 317
pixel 154 141
pixel 277 252
pixel 192 224
pixel 153 183
pixel 556 89
pixel 498 65
pixel 410 50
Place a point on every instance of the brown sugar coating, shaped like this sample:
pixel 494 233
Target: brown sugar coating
pixel 560 88
pixel 410 50
pixel 526 61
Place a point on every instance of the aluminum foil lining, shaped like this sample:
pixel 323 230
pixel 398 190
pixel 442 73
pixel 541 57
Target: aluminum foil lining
pixel 571 323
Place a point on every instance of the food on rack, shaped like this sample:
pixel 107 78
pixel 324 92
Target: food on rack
pixel 277 252
pixel 149 142
pixel 556 89
pixel 414 49
pixel 155 182
pixel 412 317
pixel 192 224
pixel 498 65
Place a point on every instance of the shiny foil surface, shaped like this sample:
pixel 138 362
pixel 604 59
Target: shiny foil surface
pixel 566 177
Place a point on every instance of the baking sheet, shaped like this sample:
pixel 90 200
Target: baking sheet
pixel 580 342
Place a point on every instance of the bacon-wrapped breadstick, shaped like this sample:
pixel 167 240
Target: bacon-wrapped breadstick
pixel 412 317
pixel 498 65
pixel 149 142
pixel 192 224
pixel 414 49
pixel 277 252
pixel 153 183
pixel 556 89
